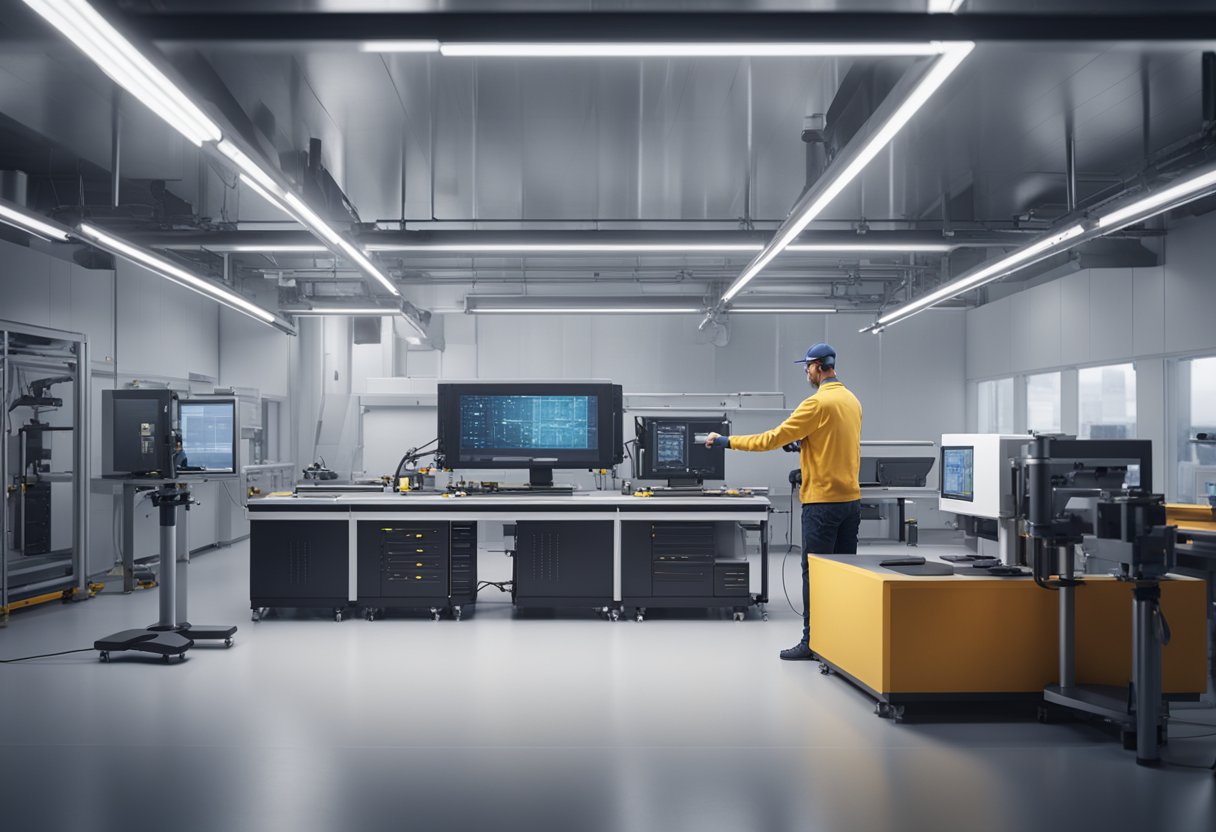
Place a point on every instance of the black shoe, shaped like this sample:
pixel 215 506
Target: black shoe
pixel 799 652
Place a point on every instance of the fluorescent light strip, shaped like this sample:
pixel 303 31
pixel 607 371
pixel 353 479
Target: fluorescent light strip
pixel 175 273
pixel 264 185
pixel 275 249
pixel 986 274
pixel 944 6
pixel 689 50
pixel 338 310
pixel 936 76
pixel 120 60
pixel 400 46
pixel 779 310
pixel 645 248
pixel 1156 203
pixel 594 310
pixel 31 224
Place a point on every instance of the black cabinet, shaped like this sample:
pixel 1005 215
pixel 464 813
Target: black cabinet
pixel 298 563
pixel 563 563
pixel 416 565
pixel 682 564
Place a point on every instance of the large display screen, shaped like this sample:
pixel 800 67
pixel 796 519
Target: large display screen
pixel 528 423
pixel 532 425
pixel 208 435
pixel 958 473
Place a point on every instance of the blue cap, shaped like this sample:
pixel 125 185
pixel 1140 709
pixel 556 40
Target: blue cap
pixel 819 352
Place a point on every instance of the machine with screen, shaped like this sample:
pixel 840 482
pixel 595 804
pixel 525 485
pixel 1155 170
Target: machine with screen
pixel 958 473
pixel 209 436
pixel 673 448
pixel 539 426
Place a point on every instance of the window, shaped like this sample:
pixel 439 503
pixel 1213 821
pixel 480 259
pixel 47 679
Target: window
pixel 995 406
pixel 1196 414
pixel 1107 402
pixel 1043 403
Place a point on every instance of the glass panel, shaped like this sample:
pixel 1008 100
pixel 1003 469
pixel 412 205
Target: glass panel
pixel 1043 403
pixel 1197 471
pixel 1107 402
pixel 995 406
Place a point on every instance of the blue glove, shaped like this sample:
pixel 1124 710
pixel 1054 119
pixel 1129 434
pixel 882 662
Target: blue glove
pixel 722 442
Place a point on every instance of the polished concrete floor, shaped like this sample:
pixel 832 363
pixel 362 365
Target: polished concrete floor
pixel 534 722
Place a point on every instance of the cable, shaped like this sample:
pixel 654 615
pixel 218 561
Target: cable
pixel 47 655
pixel 785 590
pixel 501 586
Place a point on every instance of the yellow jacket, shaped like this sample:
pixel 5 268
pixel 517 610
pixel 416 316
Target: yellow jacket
pixel 829 425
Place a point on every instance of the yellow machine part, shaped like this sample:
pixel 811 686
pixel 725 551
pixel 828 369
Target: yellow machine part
pixel 950 635
pixel 33 601
pixel 1186 516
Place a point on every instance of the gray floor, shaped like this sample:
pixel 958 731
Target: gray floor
pixel 506 722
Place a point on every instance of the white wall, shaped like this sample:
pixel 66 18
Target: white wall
pixel 140 325
pixel 1104 316
pixel 910 380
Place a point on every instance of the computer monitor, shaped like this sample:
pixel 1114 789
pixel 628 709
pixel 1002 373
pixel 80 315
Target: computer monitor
pixel 958 473
pixel 209 436
pixel 904 471
pixel 673 448
pixel 539 426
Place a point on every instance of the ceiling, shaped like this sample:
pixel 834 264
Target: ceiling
pixel 423 142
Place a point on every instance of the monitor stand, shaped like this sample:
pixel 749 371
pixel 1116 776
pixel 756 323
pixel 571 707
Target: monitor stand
pixel 685 484
pixel 540 477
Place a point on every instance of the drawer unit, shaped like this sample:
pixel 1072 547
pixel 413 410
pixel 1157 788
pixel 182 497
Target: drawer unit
pixel 732 577
pixel 683 540
pixel 403 561
pixel 298 563
pixel 464 563
pixel 682 577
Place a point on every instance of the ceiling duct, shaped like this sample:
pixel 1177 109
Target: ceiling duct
pixel 320 189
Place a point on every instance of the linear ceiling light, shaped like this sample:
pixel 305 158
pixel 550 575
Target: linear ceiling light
pixel 278 249
pixel 943 66
pixel 1019 259
pixel 647 248
pixel 262 183
pixel 175 273
pixel 119 59
pixel 782 310
pixel 345 310
pixel 401 46
pixel 944 6
pixel 1157 203
pixel 689 50
pixel 31 224
pixel 585 310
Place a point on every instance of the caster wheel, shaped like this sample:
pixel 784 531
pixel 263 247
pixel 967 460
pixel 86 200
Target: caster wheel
pixel 457 613
pixel 824 669
pixel 614 615
pixel 338 615
pixel 255 616
pixel 897 713
pixel 227 642
pixel 105 655
pixel 883 710
pixel 640 618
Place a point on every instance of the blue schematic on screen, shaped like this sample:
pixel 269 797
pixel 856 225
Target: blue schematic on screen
pixel 958 473
pixel 207 434
pixel 523 422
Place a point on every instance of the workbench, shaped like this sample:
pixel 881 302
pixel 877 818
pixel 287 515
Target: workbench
pixel 914 638
pixel 581 549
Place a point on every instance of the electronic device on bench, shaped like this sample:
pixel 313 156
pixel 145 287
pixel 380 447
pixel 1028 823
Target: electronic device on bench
pixel 673 448
pixel 538 426
pixel 141 431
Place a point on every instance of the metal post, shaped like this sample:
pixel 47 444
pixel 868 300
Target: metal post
pixel 168 560
pixel 115 147
pixel 183 564
pixel 1070 169
pixel 83 391
pixel 1146 673
pixel 129 492
pixel 1068 622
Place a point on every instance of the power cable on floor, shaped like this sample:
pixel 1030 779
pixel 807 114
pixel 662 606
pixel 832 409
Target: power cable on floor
pixel 47 655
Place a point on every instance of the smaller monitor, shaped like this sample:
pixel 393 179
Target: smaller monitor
pixel 868 476
pixel 673 448
pixel 209 436
pixel 958 473
pixel 904 471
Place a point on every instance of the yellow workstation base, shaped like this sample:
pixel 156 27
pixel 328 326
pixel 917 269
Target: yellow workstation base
pixel 915 638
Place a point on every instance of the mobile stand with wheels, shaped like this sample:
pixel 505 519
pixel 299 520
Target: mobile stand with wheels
pixel 172 635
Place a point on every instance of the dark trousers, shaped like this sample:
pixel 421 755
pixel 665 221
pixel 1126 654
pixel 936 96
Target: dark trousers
pixel 827 529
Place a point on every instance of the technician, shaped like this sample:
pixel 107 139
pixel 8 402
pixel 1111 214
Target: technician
pixel 828 426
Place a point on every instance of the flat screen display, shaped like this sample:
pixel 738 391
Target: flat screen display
pixel 532 425
pixel 514 423
pixel 671 447
pixel 958 473
pixel 208 436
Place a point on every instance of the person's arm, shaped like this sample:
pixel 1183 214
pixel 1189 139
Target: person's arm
pixel 796 426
